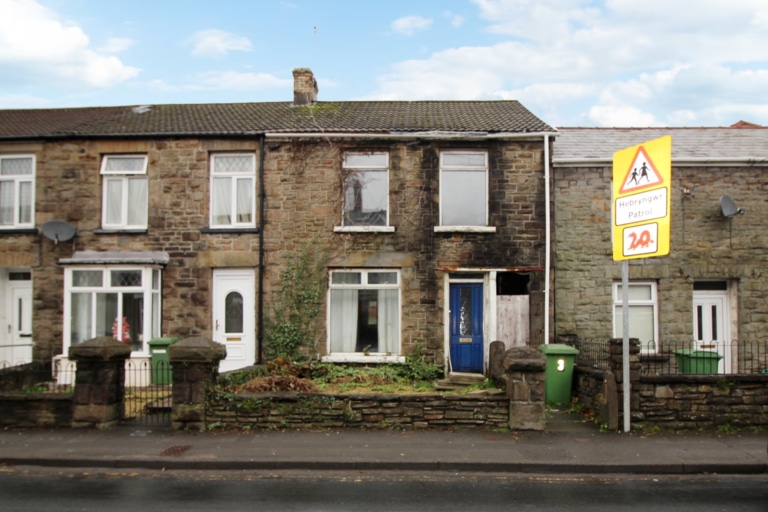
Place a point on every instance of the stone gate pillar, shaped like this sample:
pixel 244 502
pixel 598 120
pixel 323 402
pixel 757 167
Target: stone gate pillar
pixel 195 364
pixel 525 369
pixel 99 382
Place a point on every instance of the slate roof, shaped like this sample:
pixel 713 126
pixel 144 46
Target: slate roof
pixel 689 145
pixel 234 119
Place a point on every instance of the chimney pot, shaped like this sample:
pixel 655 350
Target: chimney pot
pixel 304 87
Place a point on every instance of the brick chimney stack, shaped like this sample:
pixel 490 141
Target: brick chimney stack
pixel 304 87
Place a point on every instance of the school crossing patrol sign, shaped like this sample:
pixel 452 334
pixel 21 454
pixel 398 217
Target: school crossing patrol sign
pixel 642 199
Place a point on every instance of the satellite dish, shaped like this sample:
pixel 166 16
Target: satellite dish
pixel 58 230
pixel 728 207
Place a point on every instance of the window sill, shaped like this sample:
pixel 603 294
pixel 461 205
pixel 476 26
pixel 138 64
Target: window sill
pixel 362 358
pixel 232 231
pixel 364 229
pixel 465 229
pixel 120 231
pixel 18 231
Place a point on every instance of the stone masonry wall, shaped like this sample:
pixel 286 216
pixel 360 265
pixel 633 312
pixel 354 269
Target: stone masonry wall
pixel 69 187
pixel 304 201
pixel 304 193
pixel 702 402
pixel 704 246
pixel 296 410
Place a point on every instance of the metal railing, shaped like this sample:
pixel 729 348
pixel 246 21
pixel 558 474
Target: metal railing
pixel 37 377
pixel 683 357
pixel 148 392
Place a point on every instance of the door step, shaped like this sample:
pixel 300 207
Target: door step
pixel 457 380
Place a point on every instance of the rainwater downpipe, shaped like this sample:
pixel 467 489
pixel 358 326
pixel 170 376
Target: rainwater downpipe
pixel 260 310
pixel 547 229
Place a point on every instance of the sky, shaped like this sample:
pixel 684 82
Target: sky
pixel 601 63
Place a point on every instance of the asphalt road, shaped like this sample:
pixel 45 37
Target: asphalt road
pixel 36 489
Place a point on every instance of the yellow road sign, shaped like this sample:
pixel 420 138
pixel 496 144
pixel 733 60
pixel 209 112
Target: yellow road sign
pixel 642 178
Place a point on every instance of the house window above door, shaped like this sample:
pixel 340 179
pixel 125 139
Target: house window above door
pixel 233 186
pixel 125 192
pixel 17 191
pixel 366 193
pixel 464 191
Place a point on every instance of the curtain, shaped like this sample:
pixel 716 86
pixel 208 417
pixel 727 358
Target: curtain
pixel 343 320
pixel 81 318
pixel 113 202
pixel 6 203
pixel 389 322
pixel 222 202
pixel 244 200
pixel 137 202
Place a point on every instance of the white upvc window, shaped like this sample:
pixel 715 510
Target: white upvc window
pixel 125 193
pixel 366 192
pixel 17 191
pixel 364 315
pixel 118 301
pixel 233 185
pixel 464 189
pixel 643 314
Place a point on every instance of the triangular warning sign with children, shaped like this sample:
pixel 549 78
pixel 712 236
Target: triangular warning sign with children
pixel 641 174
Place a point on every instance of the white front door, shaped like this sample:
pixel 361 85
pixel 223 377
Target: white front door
pixel 711 327
pixel 16 346
pixel 234 316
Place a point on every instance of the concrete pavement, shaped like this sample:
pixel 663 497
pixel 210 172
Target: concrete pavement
pixel 568 445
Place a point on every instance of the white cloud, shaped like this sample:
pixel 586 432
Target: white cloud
pixel 612 63
pixel 621 115
pixel 456 20
pixel 117 45
pixel 22 101
pixel 218 42
pixel 234 80
pixel 409 25
pixel 38 46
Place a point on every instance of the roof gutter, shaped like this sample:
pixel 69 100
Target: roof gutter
pixel 687 162
pixel 411 135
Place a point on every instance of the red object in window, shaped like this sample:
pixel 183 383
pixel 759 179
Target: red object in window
pixel 126 330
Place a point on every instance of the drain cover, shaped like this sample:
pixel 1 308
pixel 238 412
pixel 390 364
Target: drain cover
pixel 176 450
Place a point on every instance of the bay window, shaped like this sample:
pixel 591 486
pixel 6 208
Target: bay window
pixel 121 302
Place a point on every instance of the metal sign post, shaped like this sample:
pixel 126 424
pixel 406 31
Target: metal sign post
pixel 641 207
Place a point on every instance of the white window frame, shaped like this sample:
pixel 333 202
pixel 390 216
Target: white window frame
pixel 234 177
pixel 17 181
pixel 646 346
pixel 355 162
pixel 124 177
pixel 445 170
pixel 361 357
pixel 152 302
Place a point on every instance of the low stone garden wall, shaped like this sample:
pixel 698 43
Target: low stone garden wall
pixel 50 410
pixel 706 402
pixel 316 410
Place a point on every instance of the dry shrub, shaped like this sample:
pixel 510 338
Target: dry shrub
pixel 275 383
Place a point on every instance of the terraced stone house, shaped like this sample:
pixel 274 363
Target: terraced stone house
pixel 178 220
pixel 709 293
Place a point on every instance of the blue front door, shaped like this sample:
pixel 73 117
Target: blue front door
pixel 466 332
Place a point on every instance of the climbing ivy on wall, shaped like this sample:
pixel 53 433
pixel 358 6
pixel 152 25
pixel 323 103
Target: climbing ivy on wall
pixel 289 326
